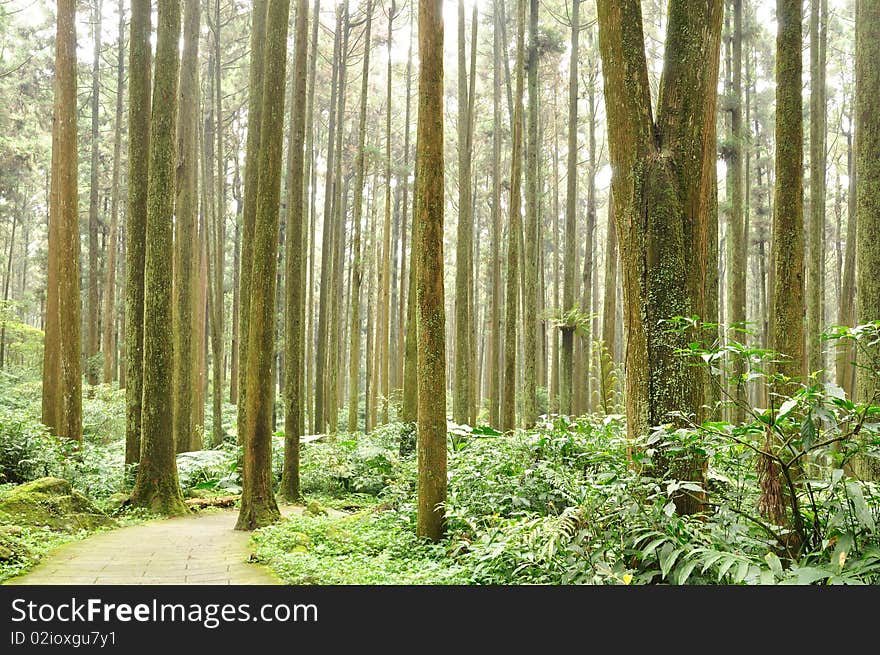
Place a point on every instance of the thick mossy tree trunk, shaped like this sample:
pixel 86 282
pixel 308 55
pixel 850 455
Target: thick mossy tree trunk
pixel 293 335
pixel 258 506
pixel 787 325
pixel 662 199
pixel 868 189
pixel 186 212
pixel 157 486
pixel 140 56
pixel 429 286
pixel 508 400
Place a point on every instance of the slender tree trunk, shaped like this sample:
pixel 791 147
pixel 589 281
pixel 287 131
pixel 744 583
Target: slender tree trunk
pixel 736 237
pixel 255 100
pixel 508 401
pixel 236 296
pixel 157 486
pixel 846 311
pixel 219 260
pixel 295 293
pixel 6 280
pixel 429 289
pixel 356 274
pixel 109 326
pixel 568 287
pixel 530 244
pixel 186 226
pixel 92 333
pixel 258 506
pixel 464 243
pixel 319 420
pixel 497 299
pixel 816 221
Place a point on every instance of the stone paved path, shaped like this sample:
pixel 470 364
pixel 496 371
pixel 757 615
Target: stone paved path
pixel 201 549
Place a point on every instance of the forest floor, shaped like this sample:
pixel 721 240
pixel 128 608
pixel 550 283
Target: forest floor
pixel 203 549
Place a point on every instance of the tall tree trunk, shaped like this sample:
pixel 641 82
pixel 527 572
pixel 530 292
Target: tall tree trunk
pixel 431 323
pixel 92 333
pixel 109 326
pixel 219 259
pixel 464 242
pixel 736 237
pixel 816 221
pixel 530 243
pixel 252 149
pixel 185 226
pixel 354 367
pixel 310 179
pixel 788 228
pixel 295 293
pixel 508 401
pixel 607 381
pixel 236 296
pixel 846 311
pixel 6 279
pixel 497 299
pixel 868 190
pixel 139 66
pixel 157 486
pixel 258 506
pixel 319 421
pixel 662 204
pixel 62 368
pixel 568 286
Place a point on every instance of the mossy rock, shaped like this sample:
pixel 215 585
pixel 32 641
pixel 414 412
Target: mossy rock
pixel 314 508
pixel 51 502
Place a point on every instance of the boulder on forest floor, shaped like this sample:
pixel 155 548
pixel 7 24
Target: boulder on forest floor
pixel 53 503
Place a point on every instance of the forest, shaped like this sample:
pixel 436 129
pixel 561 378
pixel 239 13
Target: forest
pixel 475 292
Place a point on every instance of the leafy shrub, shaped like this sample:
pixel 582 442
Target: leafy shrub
pixel 27 450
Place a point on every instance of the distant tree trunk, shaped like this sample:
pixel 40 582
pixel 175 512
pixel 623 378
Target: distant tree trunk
pixel 109 326
pixel 92 333
pixel 258 506
pixel 788 229
pixel 6 280
pixel 236 295
pixel 354 367
pixel 530 244
pixel 410 373
pixel 816 221
pixel 157 486
pixel 136 221
pixel 568 286
pixel 607 385
pixel 662 204
pixel 295 293
pixel 431 323
pixel 868 191
pixel 252 149
pixel 186 227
